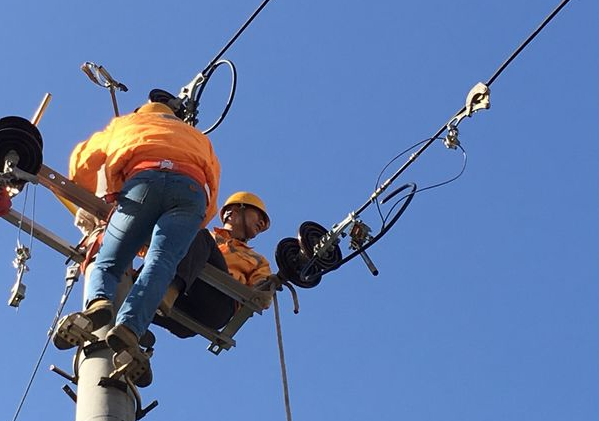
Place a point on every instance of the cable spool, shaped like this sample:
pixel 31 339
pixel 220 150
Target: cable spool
pixel 19 136
pixel 293 255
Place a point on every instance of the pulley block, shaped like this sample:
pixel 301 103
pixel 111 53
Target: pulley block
pixel 20 144
pixel 291 261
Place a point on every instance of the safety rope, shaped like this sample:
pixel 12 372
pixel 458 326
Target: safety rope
pixel 282 357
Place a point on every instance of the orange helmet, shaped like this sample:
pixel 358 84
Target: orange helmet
pixel 245 198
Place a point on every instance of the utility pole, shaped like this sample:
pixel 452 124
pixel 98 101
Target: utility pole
pixel 109 401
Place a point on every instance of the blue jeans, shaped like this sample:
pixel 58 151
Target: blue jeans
pixel 163 207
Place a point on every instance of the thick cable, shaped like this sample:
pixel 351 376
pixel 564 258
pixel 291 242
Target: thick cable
pixel 232 90
pixel 282 357
pixel 525 43
pixel 501 68
pixel 234 38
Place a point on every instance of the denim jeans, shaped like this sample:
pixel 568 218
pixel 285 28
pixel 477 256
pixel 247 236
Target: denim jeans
pixel 163 207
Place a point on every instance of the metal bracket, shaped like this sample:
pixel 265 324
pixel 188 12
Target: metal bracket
pixel 331 238
pixel 359 234
pixel 17 293
pixel 70 392
pixel 479 98
pixel 117 384
pixel 100 76
pixel 75 329
pixel 63 374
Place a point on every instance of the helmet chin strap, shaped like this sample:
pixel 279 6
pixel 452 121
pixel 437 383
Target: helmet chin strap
pixel 245 230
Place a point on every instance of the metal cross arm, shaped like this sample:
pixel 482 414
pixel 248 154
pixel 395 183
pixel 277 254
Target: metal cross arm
pixel 250 300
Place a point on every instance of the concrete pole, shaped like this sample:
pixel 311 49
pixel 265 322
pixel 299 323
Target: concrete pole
pixel 95 402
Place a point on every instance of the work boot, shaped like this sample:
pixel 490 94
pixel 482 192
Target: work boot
pixel 145 379
pixel 135 365
pixel 100 311
pixel 121 337
pixel 147 340
pixel 168 301
pixel 76 328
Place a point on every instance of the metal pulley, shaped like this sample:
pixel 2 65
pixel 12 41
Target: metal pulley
pixel 297 261
pixel 20 148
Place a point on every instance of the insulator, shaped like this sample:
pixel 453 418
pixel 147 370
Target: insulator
pixel 291 260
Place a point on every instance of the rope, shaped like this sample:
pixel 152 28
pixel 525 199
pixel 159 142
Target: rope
pixel 282 358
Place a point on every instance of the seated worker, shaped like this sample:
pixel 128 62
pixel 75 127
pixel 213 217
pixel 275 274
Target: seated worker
pixel 165 176
pixel 243 216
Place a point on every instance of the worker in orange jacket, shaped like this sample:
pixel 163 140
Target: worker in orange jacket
pixel 164 176
pixel 244 216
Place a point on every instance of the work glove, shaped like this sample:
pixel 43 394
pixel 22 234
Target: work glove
pixel 267 287
pixel 85 221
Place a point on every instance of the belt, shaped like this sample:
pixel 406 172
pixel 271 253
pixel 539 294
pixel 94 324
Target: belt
pixel 167 165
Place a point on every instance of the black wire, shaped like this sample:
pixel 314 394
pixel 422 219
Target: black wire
pixel 432 186
pixel 37 365
pixel 237 34
pixel 385 228
pixel 408 199
pixel 66 294
pixel 525 43
pixel 491 80
pixel 396 157
pixel 231 93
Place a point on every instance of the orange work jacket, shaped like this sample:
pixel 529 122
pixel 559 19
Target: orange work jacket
pixel 151 134
pixel 244 264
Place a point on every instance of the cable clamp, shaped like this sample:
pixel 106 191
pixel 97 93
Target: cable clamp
pixel 17 293
pixel 451 140
pixel 479 98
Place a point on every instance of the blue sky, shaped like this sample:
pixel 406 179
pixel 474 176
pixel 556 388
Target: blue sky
pixel 486 303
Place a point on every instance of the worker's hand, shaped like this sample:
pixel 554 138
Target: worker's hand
pixel 268 287
pixel 85 221
pixel 265 284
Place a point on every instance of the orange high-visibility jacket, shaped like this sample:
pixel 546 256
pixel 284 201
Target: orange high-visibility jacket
pixel 151 134
pixel 244 264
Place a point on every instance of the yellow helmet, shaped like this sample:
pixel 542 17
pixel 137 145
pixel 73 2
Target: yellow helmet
pixel 245 198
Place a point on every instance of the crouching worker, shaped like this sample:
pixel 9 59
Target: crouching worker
pixel 165 176
pixel 243 216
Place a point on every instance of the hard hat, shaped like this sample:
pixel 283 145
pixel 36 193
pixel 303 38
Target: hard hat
pixel 245 198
